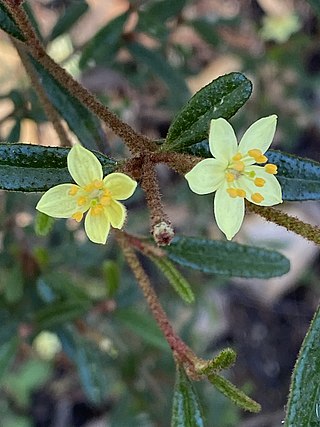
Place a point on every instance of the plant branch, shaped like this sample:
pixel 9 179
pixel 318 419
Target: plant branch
pixel 136 143
pixel 182 353
pixel 291 223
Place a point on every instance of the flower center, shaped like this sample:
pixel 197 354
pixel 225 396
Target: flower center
pixel 93 196
pixel 238 168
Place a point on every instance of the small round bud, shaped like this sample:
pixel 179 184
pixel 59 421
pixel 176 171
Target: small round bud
pixel 163 233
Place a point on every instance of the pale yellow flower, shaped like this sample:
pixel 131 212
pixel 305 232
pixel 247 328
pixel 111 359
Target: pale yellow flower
pixel 47 345
pixel 92 193
pixel 233 175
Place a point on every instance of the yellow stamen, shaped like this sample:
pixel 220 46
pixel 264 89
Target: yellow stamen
pixel 96 210
pixel 230 177
pixel 241 193
pixel 255 152
pixel 77 216
pixel 90 187
pixel 232 192
pixel 261 159
pixel 237 156
pixel 73 191
pixel 257 197
pixel 98 184
pixel 238 166
pixel 259 182
pixel 271 168
pixel 105 200
pixel 82 201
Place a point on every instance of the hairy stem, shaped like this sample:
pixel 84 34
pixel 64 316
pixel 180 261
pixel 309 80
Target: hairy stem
pixel 135 142
pixel 291 223
pixel 182 353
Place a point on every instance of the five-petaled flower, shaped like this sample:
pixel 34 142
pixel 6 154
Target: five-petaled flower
pixel 92 193
pixel 233 175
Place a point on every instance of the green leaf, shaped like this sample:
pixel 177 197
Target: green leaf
pixel 8 350
pixel 161 68
pixel 299 177
pixel 234 394
pixel 43 224
pixel 175 278
pixel 60 312
pixel 143 325
pixel 8 24
pixel 80 120
pixel 206 30
pixel 221 98
pixel 14 284
pixel 304 398
pixel 103 46
pixel 25 167
pixel 223 360
pixel 227 258
pixel 186 409
pixel 69 18
pixel 89 361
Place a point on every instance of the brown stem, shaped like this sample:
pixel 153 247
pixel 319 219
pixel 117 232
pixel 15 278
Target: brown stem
pixel 49 109
pixel 136 142
pixel 182 353
pixel 291 223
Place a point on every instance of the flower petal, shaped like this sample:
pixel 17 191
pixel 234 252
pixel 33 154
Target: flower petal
pixel 271 191
pixel 259 135
pixel 206 176
pixel 120 185
pixel 228 211
pixel 58 203
pixel 116 213
pixel 222 140
pixel 97 227
pixel 83 165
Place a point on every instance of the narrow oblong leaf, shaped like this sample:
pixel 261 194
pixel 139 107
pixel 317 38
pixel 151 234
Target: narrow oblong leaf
pixel 227 258
pixel 237 396
pixel 161 68
pixel 26 167
pixel 221 98
pixel 299 177
pixel 69 18
pixel 175 278
pixel 80 120
pixel 7 352
pixel 223 360
pixel 59 313
pixel 105 43
pixel 111 276
pixel 304 398
pixel 8 25
pixel 186 409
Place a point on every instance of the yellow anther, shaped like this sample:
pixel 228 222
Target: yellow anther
pixel 261 159
pixel 257 197
pixel 259 182
pixel 105 200
pixel 238 166
pixel 98 184
pixel 271 168
pixel 96 210
pixel 232 192
pixel 230 177
pixel 73 191
pixel 82 201
pixel 237 156
pixel 77 216
pixel 255 152
pixel 241 193
pixel 89 187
